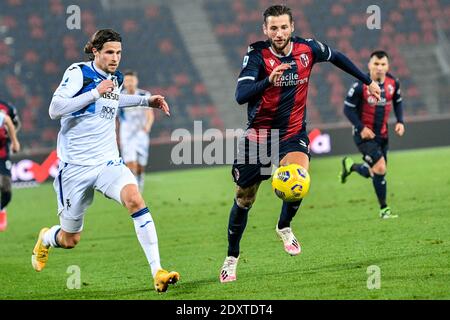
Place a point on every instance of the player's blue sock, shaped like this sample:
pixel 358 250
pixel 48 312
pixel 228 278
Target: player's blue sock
pixel 362 169
pixel 288 212
pixel 236 227
pixel 379 183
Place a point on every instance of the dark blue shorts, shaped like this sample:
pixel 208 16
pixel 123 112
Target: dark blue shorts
pixel 373 150
pixel 249 169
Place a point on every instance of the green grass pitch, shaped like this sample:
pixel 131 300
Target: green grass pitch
pixel 338 227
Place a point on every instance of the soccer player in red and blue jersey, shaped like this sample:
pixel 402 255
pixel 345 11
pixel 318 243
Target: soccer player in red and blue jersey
pixel 9 125
pixel 370 126
pixel 274 83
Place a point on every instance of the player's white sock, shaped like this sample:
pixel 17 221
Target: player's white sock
pixel 49 238
pixel 146 233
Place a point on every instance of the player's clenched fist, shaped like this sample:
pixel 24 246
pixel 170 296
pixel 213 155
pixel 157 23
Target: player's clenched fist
pixel 158 102
pixel 15 145
pixel 278 72
pixel 399 129
pixel 375 90
pixel 367 134
pixel 105 86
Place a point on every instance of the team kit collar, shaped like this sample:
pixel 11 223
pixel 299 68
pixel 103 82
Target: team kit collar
pixel 279 55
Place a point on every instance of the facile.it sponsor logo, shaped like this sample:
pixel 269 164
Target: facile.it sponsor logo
pixel 290 79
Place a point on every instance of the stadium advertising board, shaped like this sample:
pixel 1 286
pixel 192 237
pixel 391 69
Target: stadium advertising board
pixel 38 168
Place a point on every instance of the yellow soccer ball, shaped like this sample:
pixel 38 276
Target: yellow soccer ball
pixel 291 183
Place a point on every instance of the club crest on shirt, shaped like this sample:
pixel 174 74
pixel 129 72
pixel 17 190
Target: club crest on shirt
pixel 115 82
pixel 391 89
pixel 304 59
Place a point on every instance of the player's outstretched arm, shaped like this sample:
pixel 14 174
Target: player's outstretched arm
pixel 345 64
pixel 159 102
pixel 132 100
pixel 154 101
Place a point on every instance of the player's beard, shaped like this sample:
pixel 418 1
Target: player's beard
pixel 112 69
pixel 279 49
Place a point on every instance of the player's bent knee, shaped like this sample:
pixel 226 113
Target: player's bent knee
pixel 134 201
pixel 379 167
pixel 245 197
pixel 245 202
pixel 379 171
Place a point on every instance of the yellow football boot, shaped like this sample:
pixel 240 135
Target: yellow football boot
pixel 40 252
pixel 163 278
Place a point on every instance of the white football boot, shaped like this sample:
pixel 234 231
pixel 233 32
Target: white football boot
pixel 291 244
pixel 228 271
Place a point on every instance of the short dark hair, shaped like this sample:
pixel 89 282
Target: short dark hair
pixel 99 38
pixel 380 54
pixel 277 10
pixel 130 73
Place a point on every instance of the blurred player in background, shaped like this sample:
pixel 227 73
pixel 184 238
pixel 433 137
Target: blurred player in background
pixel 274 82
pixel 86 102
pixel 134 130
pixel 370 126
pixel 9 125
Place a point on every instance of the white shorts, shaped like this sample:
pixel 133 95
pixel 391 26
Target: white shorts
pixel 75 185
pixel 134 147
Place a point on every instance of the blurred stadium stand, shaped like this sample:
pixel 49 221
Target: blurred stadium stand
pixel 36 47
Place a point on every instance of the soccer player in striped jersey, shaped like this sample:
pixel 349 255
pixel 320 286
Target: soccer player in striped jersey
pixel 9 125
pixel 370 126
pixel 134 128
pixel 86 102
pixel 274 83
